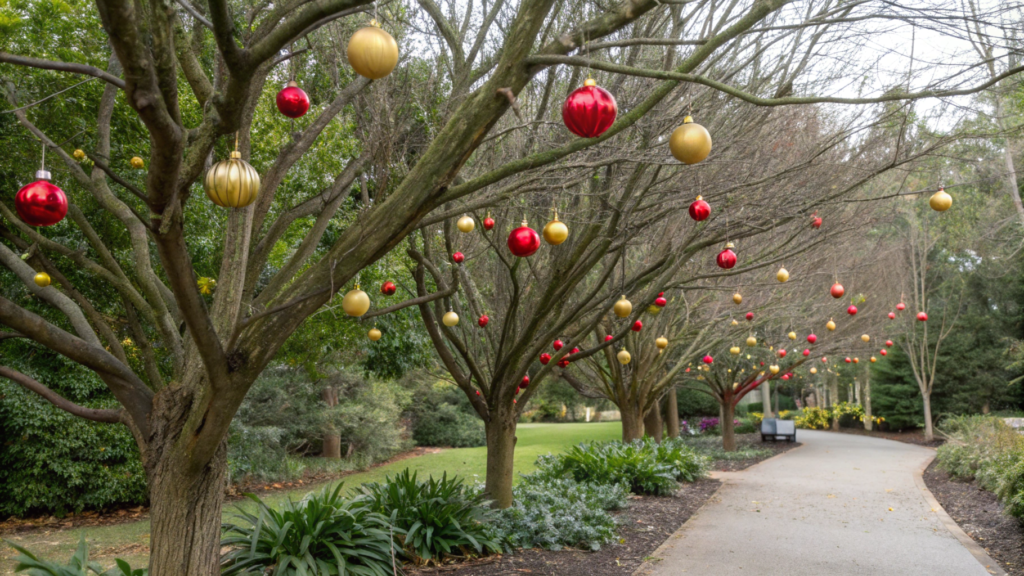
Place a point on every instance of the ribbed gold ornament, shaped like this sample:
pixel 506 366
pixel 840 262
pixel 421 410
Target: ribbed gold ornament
pixel 232 183
pixel 690 143
pixel 372 52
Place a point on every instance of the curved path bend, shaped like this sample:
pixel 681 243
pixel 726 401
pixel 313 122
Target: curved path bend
pixel 838 505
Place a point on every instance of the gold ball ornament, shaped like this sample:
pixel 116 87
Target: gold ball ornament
pixel 690 143
pixel 940 201
pixel 735 350
pixel 623 356
pixel 232 183
pixel 782 275
pixel 737 298
pixel 466 224
pixel 623 307
pixel 814 370
pixel 873 359
pixel 555 232
pixel 791 335
pixel 450 319
pixel 774 369
pixel 79 154
pixel 653 309
pixel 661 342
pixel 372 52
pixel 137 162
pixel 865 338
pixel 42 279
pixel 831 325
pixel 751 341
pixel 374 334
pixel 355 302
pixel 735 322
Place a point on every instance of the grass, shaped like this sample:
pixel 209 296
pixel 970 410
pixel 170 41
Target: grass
pixel 131 540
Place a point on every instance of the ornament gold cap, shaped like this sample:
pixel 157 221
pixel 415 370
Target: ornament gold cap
pixel 688 119
pixel 43 174
pixel 293 84
pixel 590 82
pixel 524 222
pixel 730 245
pixel 236 155
pixel 699 197
pixel 374 23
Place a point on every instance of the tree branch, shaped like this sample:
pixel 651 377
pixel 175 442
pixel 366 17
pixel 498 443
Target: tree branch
pixel 62 67
pixel 28 383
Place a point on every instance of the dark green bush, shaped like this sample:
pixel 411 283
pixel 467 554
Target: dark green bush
pixel 324 534
pixel 438 517
pixel 744 427
pixel 695 403
pixel 448 425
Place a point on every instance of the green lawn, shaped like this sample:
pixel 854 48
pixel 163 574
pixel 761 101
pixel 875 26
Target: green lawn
pixel 130 541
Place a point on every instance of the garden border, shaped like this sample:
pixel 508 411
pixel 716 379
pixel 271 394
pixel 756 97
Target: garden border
pixel 990 564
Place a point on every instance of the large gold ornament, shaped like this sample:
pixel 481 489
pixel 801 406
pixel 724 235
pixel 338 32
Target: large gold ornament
pixel 751 341
pixel 42 279
pixel 137 162
pixel 774 369
pixel 374 334
pixel 737 298
pixel 623 356
pixel 831 325
pixel 450 318
pixel 735 350
pixel 623 307
pixel 940 201
pixel 79 154
pixel 866 338
pixel 782 275
pixel 466 224
pixel 555 232
pixel 372 52
pixel 232 183
pixel 355 302
pixel 814 370
pixel 661 342
pixel 690 143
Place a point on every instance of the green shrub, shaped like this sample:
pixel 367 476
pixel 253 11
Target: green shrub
pixel 438 517
pixel 554 513
pixel 324 534
pixel 693 403
pixel 1010 488
pixel 78 565
pixel 988 450
pixel 745 426
pixel 814 418
pixel 711 448
pixel 447 425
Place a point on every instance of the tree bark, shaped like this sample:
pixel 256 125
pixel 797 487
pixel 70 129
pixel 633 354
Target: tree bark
pixel 672 413
pixel 868 424
pixel 632 423
pixel 653 425
pixel 501 446
pixel 929 432
pixel 728 430
pixel 766 399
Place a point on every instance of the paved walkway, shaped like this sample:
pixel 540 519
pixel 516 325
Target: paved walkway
pixel 841 504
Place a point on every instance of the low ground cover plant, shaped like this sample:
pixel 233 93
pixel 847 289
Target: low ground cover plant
pixel 986 449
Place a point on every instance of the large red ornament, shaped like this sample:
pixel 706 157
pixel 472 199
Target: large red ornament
pixel 807 352
pixel 726 258
pixel 708 359
pixel 852 310
pixel 523 241
pixel 922 316
pixel 785 376
pixel 458 257
pixel 388 288
pixel 782 353
pixel 545 358
pixel 483 320
pixel 557 345
pixel 292 101
pixel 637 326
pixel 812 338
pixel 888 343
pixel 589 111
pixel 525 383
pixel 750 315
pixel 883 352
pixel 901 306
pixel 848 360
pixel 488 223
pixel 892 315
pixel 700 210
pixel 41 203
pixel 660 302
pixel 837 290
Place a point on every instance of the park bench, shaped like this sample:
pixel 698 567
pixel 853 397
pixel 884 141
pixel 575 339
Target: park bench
pixel 778 430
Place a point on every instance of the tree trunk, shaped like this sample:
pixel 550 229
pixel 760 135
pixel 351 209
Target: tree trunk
pixel 728 430
pixel 632 423
pixel 652 423
pixel 929 432
pixel 766 399
pixel 868 424
pixel 672 413
pixel 501 447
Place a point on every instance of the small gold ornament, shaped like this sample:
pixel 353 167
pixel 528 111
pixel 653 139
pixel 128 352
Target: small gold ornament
pixel 873 359
pixel 555 232
pixel 42 279
pixel 782 275
pixel 623 307
pixel 774 369
pixel 137 162
pixel 735 322
pixel 831 325
pixel 372 52
pixel 865 338
pixel 814 370
pixel 661 342
pixel 791 335
pixel 652 309
pixel 751 341
pixel 735 350
pixel 466 224
pixel 355 302
pixel 374 334
pixel 79 154
pixel 623 356
pixel 450 318
pixel 737 298
pixel 690 143
pixel 940 201
pixel 232 183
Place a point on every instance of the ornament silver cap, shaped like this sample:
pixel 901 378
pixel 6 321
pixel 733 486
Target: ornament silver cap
pixel 43 174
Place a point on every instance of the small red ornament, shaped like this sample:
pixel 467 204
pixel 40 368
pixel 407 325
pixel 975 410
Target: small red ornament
pixel 785 376
pixel 483 320
pixel 660 302
pixel 700 210
pixel 892 315
pixel 557 345
pixel 782 353
pixel 888 343
pixel 816 222
pixel 726 258
pixel 807 352
pixel 750 315
pixel 526 382
pixel 488 223
pixel 708 359
pixel 852 310
pixel 41 203
pixel 458 257
pixel 608 338
pixel 564 362
pixel 883 352
pixel 518 388
pixel 637 326
pixel 292 101
pixel 848 360
pixel 901 306
pixel 837 290
pixel 589 111
pixel 574 351
pixel 545 358
pixel 388 288
pixel 523 241
pixel 477 392
pixel 812 338
pixel 922 316
pixel 824 360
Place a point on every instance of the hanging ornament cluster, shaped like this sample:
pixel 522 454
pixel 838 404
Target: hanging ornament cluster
pixel 690 143
pixel 940 201
pixel 523 241
pixel 356 302
pixel 232 183
pixel 372 52
pixel 292 101
pixel 466 224
pixel 589 111
pixel 700 210
pixel 726 258
pixel 555 232
pixel 41 203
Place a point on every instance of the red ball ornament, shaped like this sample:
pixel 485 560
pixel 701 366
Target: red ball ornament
pixel 782 353
pixel 41 203
pixel 816 222
pixel 883 352
pixel 488 223
pixel 750 315
pixel 888 343
pixel 708 359
pixel 563 363
pixel 807 352
pixel 458 257
pixel 545 358
pixel 785 376
pixel 557 345
pixel 477 392
pixel 726 258
pixel 292 101
pixel 388 288
pixel 901 306
pixel 700 210
pixel 574 351
pixel 892 315
pixel 837 290
pixel 922 316
pixel 848 360
pixel 824 360
pixel 483 320
pixel 525 382
pixel 852 310
pixel 637 326
pixel 589 111
pixel 523 241
pixel 660 302
pixel 608 338
pixel 812 338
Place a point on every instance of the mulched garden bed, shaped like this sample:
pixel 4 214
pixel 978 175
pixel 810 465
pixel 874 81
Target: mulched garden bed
pixel 755 441
pixel 981 516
